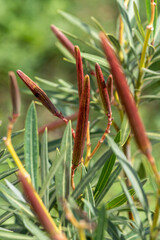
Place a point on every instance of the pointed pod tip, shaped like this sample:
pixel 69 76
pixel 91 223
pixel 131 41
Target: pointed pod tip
pixel 86 78
pixel 97 66
pixel 11 73
pixel 19 72
pixel 76 49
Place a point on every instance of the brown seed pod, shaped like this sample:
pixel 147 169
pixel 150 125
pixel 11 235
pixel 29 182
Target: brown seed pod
pixel 40 95
pixel 82 123
pixel 79 67
pixel 109 86
pixel 103 90
pixel 63 39
pixel 15 94
pixel 126 97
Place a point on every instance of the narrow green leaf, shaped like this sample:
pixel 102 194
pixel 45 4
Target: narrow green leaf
pixel 45 166
pixel 133 208
pixel 8 235
pixel 106 171
pixel 138 20
pixel 125 129
pixel 95 58
pixel 113 40
pixel 157 32
pixel 130 172
pixel 126 21
pixel 155 18
pixel 148 9
pixel 83 26
pixel 34 230
pixel 91 174
pixel 31 146
pixel 110 182
pixel 151 72
pixel 114 232
pixel 14 201
pixel 7 173
pixel 45 82
pixel 138 35
pixel 153 135
pixel 15 191
pixel 131 14
pixel 52 171
pixel 63 173
pixel 120 200
pixel 89 204
pixel 101 224
pixel 2 153
pixel 5 216
pixel 150 97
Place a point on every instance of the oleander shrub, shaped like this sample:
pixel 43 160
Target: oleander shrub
pixel 101 179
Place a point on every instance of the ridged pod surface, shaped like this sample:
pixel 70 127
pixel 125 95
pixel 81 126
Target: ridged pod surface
pixel 40 95
pixel 82 123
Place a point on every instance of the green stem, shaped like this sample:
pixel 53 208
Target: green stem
pixel 142 65
pixel 155 218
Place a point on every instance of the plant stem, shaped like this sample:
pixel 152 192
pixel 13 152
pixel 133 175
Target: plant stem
pixel 141 66
pixel 142 60
pixel 102 138
pixel 156 217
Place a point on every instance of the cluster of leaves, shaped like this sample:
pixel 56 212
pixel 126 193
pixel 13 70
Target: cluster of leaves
pixel 101 198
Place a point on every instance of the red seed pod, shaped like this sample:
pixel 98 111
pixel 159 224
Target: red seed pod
pixel 79 67
pixel 109 86
pixel 82 123
pixel 103 90
pixel 15 94
pixel 63 39
pixel 40 95
pixel 126 97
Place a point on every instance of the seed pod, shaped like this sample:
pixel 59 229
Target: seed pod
pixel 126 97
pixel 109 86
pixel 79 67
pixel 63 39
pixel 15 94
pixel 40 95
pixel 103 90
pixel 82 123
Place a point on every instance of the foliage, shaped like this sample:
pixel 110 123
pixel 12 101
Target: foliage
pixel 115 191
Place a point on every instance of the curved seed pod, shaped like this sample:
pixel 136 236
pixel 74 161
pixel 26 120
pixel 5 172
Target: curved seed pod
pixel 82 123
pixel 15 94
pixel 79 67
pixel 63 39
pixel 40 95
pixel 126 97
pixel 103 90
